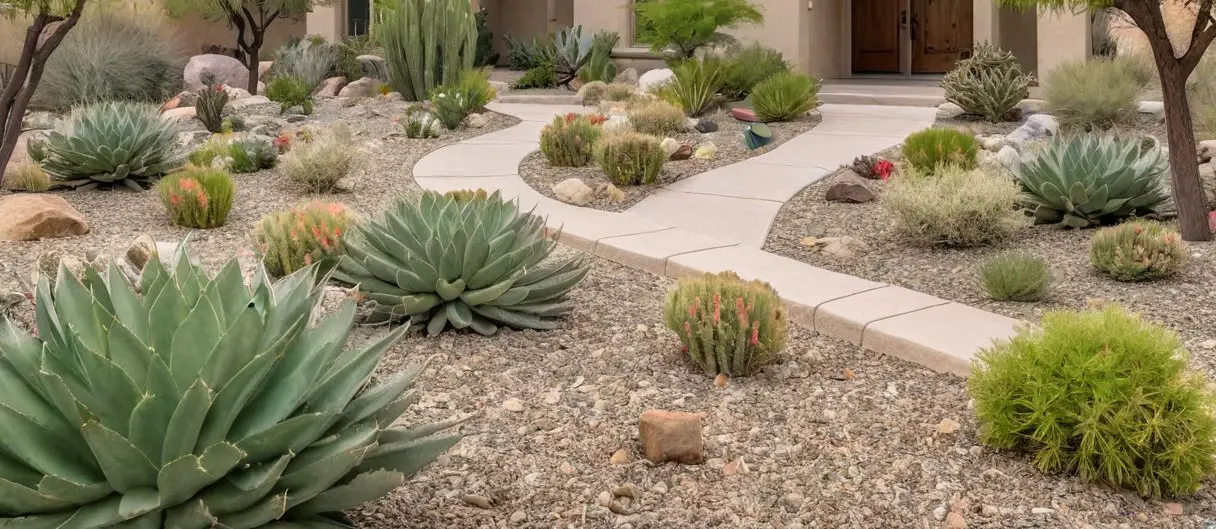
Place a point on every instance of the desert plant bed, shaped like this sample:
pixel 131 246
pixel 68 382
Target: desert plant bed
pixel 382 172
pixel 538 173
pixel 831 435
pixel 1186 303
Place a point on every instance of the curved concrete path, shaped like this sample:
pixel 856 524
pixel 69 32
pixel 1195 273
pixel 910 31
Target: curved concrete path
pixel 718 221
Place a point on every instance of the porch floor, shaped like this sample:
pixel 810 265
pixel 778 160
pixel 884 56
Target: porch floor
pixel 917 92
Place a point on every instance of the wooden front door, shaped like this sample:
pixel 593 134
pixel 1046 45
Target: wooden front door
pixel 876 39
pixel 941 32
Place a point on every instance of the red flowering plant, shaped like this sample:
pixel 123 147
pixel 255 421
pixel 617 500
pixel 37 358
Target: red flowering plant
pixel 197 197
pixel 282 142
pixel 292 239
pixel 884 169
pixel 735 342
pixel 594 119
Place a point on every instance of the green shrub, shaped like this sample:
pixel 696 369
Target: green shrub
pixel 293 239
pixel 657 118
pixel 727 325
pixel 197 197
pixel 631 158
pixel 427 44
pixel 522 55
pixel 403 260
pixel 26 176
pixel 264 414
pixel 685 26
pixel 251 154
pixel 420 124
pixel 1102 394
pixel 569 141
pixel 307 61
pixel 1089 180
pixel 475 85
pixel 111 57
pixel 215 147
pixel 785 97
pixel 748 67
pixel 933 147
pixel 319 164
pixel 600 66
pixel 485 54
pixel 1016 276
pixel 210 107
pixel 113 143
pixel 1138 250
pixel 989 84
pixel 592 93
pixel 619 92
pixel 290 92
pixel 953 206
pixel 1093 94
pixel 695 85
pixel 543 75
pixel 471 92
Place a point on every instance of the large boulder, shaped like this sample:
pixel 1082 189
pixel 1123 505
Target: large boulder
pixel 655 78
pixel 627 76
pixel 29 217
pixel 248 102
pixel 225 69
pixel 365 87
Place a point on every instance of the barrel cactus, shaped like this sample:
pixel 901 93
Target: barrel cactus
pixel 1085 181
pixel 466 263
pixel 113 143
pixel 196 402
pixel 427 43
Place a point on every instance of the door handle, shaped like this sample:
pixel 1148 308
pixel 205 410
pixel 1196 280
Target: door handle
pixel 903 19
pixel 915 28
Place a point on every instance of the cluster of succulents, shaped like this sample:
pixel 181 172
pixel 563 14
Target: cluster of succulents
pixel 112 143
pixel 1138 250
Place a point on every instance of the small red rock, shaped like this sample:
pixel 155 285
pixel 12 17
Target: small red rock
pixel 683 153
pixel 1173 509
pixel 671 436
pixel 955 521
pixel 743 114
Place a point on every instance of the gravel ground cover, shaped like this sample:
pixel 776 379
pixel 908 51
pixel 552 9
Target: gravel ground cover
pixel 116 217
pixel 823 447
pixel 536 171
pixel 1186 303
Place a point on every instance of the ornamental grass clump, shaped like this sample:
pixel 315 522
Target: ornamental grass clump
pixel 289 92
pixel 694 87
pixel 1102 394
pixel 953 207
pixel 112 143
pixel 989 84
pixel 785 97
pixel 930 148
pixel 193 401
pixel 631 158
pixel 466 264
pixel 1092 93
pixel 197 197
pixel 26 176
pixel 1089 180
pixel 749 67
pixel 317 165
pixel 727 325
pixel 298 237
pixel 1138 250
pixel 1016 276
pixel 569 141
pixel 656 117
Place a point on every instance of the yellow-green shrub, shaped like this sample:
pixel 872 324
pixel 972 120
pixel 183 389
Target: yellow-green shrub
pixel 954 206
pixel 656 117
pixel 26 176
pixel 319 163
pixel 1096 93
pixel 290 240
pixel 197 197
pixel 727 325
pixel 631 158
pixel 1102 394
pixel 569 141
pixel 1139 250
pixel 929 148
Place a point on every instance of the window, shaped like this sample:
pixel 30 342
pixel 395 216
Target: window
pixel 642 32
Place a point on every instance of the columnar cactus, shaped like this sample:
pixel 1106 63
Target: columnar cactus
pixel 727 325
pixel 427 43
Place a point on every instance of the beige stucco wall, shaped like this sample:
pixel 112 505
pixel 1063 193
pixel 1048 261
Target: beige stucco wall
pixel 1019 34
pixel 1062 37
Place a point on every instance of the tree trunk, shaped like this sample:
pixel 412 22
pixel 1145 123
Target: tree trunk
pixel 253 63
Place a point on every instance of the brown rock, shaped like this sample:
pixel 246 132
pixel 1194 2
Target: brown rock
pixel 671 436
pixel 683 153
pixel 172 103
pixel 620 457
pixel 850 192
pixel 955 521
pixel 29 217
pixel 721 380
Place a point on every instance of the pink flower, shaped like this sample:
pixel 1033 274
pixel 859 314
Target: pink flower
pixel 1212 221
pixel 884 168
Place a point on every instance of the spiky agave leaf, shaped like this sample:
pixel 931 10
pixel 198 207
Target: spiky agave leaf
pixel 465 263
pixel 197 402
pixel 1089 180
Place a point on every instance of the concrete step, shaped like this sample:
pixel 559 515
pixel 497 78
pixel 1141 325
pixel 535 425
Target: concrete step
pixel 841 96
pixel 540 99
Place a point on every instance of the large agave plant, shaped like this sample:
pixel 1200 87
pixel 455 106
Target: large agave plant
pixel 195 403
pixel 448 260
pixel 1084 181
pixel 573 52
pixel 112 143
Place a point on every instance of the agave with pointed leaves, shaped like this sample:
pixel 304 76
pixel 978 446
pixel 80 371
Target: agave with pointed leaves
pixel 1089 180
pixel 573 53
pixel 466 263
pixel 113 143
pixel 197 402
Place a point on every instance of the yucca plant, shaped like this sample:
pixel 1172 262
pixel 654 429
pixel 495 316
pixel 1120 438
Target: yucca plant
pixel 476 264
pixel 1088 180
pixel 113 143
pixel 695 86
pixel 194 401
pixel 785 96
pixel 989 84
pixel 727 325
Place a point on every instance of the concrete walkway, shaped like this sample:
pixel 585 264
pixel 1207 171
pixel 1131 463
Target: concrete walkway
pixel 718 221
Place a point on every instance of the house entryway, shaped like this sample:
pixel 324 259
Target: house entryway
pixel 910 37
